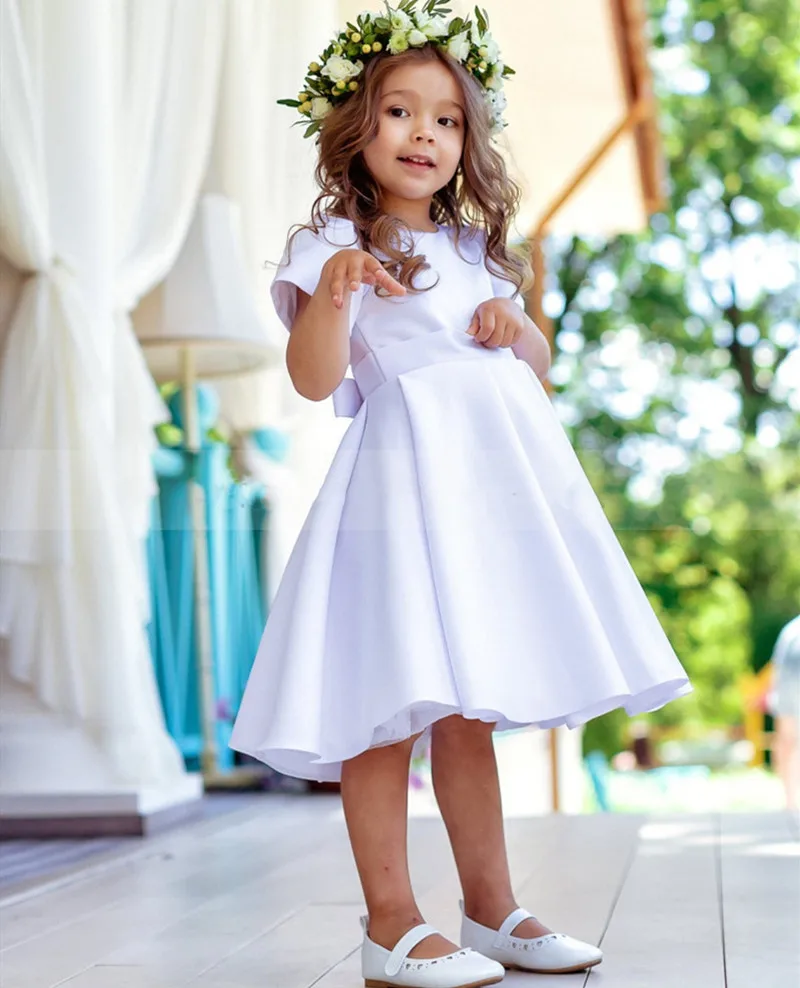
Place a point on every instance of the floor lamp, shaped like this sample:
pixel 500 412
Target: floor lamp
pixel 202 322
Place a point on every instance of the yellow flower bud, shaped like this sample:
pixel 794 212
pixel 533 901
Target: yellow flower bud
pixel 366 49
pixel 483 66
pixel 302 97
pixel 483 52
pixel 305 107
pixel 314 67
pixel 341 84
pixel 355 36
pixel 377 46
pixel 353 85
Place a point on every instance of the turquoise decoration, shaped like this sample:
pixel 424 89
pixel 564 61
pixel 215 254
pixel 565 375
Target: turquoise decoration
pixel 207 407
pixel 237 516
pixel 272 442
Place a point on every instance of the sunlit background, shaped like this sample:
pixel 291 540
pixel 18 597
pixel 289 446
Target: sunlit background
pixel 148 179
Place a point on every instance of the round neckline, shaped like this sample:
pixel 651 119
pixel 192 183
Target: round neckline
pixel 440 227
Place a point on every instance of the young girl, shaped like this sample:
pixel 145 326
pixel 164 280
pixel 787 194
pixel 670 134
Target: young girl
pixel 456 574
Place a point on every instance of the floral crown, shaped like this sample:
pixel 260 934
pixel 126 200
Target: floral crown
pixel 335 76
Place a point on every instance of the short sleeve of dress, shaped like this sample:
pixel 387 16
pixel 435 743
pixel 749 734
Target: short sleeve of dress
pixel 302 264
pixel 506 289
pixel 500 287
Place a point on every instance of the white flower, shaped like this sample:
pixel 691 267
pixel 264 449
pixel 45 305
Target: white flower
pixel 398 43
pixel 475 33
pixel 458 47
pixel 320 107
pixel 495 80
pixel 497 101
pixel 432 27
pixel 400 21
pixel 417 38
pixel 492 48
pixel 339 69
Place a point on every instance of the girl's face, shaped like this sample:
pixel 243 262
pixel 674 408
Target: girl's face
pixel 420 136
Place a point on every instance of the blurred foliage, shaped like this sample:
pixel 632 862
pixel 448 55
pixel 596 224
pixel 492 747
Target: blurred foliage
pixel 678 353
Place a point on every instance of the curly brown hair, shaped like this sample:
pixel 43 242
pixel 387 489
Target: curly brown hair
pixel 480 198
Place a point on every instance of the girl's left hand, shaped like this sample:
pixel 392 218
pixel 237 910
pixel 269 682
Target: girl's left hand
pixel 497 322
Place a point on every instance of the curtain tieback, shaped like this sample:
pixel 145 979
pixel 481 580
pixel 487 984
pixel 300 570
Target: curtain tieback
pixel 59 264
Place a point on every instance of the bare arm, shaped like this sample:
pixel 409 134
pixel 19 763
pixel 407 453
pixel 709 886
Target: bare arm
pixel 534 349
pixel 319 346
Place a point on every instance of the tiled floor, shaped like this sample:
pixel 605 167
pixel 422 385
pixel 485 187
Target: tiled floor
pixel 267 897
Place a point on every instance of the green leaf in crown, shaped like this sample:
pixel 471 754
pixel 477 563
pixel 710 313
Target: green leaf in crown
pixel 335 75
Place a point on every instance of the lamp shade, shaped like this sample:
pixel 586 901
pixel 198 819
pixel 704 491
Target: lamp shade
pixel 206 304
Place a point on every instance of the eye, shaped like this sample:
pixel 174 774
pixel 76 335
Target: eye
pixel 398 111
pixel 448 121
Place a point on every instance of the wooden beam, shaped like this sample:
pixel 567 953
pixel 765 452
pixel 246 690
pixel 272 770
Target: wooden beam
pixel 629 20
pixel 636 113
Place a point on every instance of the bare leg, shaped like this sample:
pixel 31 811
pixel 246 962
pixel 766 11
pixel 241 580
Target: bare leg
pixel 375 798
pixel 467 789
pixel 787 758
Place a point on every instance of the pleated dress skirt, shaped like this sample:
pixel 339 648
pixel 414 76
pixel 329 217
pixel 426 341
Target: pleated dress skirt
pixel 456 560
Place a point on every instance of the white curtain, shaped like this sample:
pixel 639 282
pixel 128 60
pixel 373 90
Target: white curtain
pixel 260 160
pixel 107 111
pixel 167 92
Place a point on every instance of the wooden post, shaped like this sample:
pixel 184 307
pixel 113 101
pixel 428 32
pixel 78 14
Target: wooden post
pixel 202 594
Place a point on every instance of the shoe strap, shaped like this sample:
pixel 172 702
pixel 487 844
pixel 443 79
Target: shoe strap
pixel 510 923
pixel 405 945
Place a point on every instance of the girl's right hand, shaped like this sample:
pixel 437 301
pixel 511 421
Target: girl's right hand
pixel 349 269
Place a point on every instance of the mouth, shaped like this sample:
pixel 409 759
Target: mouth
pixel 419 162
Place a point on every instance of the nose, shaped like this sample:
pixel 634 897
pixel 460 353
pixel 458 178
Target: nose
pixel 424 136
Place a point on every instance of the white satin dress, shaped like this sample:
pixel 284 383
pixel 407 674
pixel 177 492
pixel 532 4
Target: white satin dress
pixel 456 559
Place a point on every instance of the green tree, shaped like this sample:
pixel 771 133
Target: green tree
pixel 679 350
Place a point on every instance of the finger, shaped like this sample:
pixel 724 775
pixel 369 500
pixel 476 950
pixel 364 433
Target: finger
pixel 498 337
pixel 508 336
pixel 337 288
pixel 389 283
pixel 472 329
pixel 355 275
pixel 487 324
pixel 394 286
pixel 503 332
pixel 384 279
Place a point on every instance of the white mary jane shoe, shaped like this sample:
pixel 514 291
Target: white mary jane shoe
pixel 554 953
pixel 384 968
